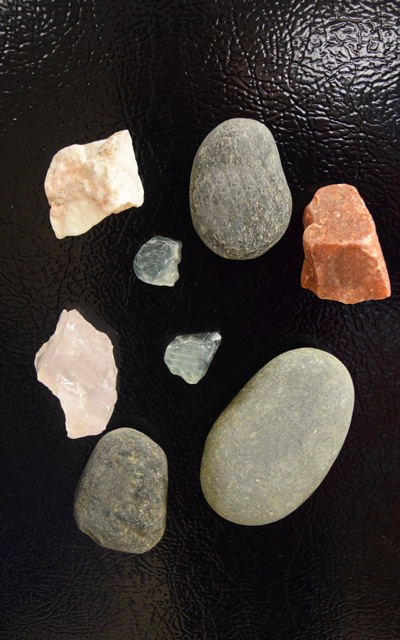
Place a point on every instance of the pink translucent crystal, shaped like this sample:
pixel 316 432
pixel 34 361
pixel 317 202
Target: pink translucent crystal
pixel 77 364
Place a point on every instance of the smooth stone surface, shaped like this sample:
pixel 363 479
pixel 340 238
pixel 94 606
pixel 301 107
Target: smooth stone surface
pixel 276 441
pixel 157 261
pixel 239 198
pixel 77 364
pixel 189 356
pixel 121 497
pixel 343 258
pixel 86 183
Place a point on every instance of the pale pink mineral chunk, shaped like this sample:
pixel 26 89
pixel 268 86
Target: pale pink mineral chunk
pixel 343 259
pixel 86 183
pixel 77 364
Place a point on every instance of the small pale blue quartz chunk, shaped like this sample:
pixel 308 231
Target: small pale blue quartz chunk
pixel 190 355
pixel 157 261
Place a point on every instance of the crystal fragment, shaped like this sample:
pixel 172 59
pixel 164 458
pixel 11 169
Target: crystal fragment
pixel 190 355
pixel 86 183
pixel 157 261
pixel 77 365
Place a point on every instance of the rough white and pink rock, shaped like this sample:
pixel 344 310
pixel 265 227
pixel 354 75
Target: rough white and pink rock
pixel 86 183
pixel 343 259
pixel 77 365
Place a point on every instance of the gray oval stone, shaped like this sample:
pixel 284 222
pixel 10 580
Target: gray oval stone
pixel 239 198
pixel 121 497
pixel 276 441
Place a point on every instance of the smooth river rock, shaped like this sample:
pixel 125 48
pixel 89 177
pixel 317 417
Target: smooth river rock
pixel 276 441
pixel 121 498
pixel 239 198
pixel 343 259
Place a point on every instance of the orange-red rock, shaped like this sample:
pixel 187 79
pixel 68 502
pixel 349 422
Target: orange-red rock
pixel 343 258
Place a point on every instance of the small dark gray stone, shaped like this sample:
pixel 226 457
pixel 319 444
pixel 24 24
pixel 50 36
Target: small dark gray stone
pixel 276 441
pixel 239 198
pixel 121 498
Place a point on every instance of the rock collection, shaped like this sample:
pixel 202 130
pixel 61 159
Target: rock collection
pixel 343 258
pixel 121 497
pixel 239 198
pixel 276 441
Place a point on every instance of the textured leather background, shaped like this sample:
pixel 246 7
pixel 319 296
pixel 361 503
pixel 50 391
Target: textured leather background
pixel 324 76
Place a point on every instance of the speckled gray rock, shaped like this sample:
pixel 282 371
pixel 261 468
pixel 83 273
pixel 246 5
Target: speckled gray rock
pixel 239 198
pixel 121 497
pixel 276 441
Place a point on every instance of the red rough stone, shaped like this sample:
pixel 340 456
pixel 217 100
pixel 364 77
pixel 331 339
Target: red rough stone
pixel 343 258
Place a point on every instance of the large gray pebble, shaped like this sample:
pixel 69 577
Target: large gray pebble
pixel 239 198
pixel 121 498
pixel 276 441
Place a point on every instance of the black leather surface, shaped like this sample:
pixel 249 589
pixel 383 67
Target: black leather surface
pixel 324 76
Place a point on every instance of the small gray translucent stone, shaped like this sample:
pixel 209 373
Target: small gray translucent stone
pixel 121 497
pixel 157 261
pixel 276 441
pixel 189 356
pixel 239 198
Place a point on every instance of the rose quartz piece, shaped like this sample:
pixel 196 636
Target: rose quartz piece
pixel 86 183
pixel 77 365
pixel 343 258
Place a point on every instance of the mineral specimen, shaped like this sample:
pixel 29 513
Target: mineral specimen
pixel 121 497
pixel 239 198
pixel 189 356
pixel 86 183
pixel 77 365
pixel 157 261
pixel 343 258
pixel 276 441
